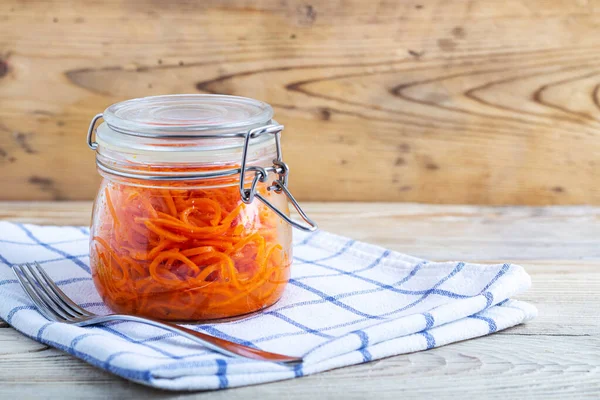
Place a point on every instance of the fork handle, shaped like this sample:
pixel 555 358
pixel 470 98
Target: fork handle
pixel 214 343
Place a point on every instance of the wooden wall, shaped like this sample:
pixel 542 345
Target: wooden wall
pixel 459 101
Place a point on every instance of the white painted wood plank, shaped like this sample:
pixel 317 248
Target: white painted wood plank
pixel 498 366
pixel 468 232
pixel 567 295
pixel 436 232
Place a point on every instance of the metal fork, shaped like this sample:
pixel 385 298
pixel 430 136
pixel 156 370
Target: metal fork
pixel 55 305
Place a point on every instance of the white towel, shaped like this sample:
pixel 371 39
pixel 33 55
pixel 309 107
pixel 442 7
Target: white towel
pixel 347 303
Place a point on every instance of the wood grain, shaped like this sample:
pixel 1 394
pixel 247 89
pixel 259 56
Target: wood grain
pixel 557 355
pixel 491 367
pixel 469 101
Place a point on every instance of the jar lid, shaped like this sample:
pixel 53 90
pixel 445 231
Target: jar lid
pixel 187 115
pixel 186 128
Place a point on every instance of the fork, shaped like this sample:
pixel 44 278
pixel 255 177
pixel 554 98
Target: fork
pixel 55 305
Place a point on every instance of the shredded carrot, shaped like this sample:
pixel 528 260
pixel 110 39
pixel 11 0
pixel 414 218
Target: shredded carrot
pixel 186 254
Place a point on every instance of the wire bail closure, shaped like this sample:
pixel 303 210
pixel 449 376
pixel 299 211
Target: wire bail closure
pixel 247 194
pixel 279 185
pixel 92 144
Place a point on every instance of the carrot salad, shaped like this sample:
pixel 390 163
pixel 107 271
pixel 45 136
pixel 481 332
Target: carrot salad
pixel 183 254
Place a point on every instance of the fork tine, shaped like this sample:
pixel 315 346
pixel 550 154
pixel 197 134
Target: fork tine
pixel 26 285
pixel 39 289
pixel 59 295
pixel 45 288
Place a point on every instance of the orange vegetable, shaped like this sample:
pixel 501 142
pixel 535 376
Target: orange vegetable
pixel 184 254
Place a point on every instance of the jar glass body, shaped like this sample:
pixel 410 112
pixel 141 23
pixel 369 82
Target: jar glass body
pixel 187 252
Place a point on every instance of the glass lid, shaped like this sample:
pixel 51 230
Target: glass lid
pixel 187 115
pixel 181 129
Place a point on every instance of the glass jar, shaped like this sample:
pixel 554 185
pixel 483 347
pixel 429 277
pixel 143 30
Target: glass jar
pixel 191 221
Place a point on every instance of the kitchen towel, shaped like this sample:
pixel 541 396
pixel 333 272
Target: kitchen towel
pixel 347 303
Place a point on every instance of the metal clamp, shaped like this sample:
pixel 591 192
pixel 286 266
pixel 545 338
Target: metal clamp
pixel 248 194
pixel 93 145
pixel 279 185
pixel 311 227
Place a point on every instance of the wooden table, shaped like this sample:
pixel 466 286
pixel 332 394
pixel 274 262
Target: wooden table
pixel 556 355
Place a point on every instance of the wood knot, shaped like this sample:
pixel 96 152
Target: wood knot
pixel 404 147
pixel 458 32
pixel 446 44
pixel 325 114
pixel 416 54
pixel 307 14
pixel 3 68
pixel 40 181
pixel 22 140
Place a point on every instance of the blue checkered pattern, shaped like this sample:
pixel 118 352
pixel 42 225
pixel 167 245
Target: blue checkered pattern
pixel 347 302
